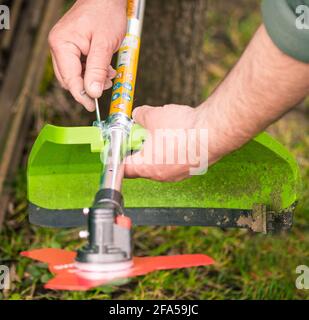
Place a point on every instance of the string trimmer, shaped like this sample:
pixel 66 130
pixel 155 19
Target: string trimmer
pixel 254 188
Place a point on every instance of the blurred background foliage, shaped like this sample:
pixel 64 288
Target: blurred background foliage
pixel 249 266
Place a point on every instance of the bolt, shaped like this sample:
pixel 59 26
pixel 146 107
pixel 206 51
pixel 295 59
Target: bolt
pixel 83 234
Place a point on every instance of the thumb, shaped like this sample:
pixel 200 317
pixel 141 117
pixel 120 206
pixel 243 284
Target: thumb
pixel 97 68
pixel 142 115
pixel 137 165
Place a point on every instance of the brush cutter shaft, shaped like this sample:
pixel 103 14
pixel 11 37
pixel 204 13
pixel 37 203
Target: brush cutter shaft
pixel 108 242
pixel 124 84
pixel 118 124
pixel 118 127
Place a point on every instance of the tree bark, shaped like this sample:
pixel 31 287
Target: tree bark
pixel 172 63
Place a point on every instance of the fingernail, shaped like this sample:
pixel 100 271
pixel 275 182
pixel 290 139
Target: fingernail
pixel 96 88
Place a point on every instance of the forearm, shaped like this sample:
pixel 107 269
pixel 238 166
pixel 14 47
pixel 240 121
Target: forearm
pixel 263 85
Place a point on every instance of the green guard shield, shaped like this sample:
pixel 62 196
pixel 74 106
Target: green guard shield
pixel 64 170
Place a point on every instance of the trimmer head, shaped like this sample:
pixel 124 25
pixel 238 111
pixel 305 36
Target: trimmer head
pixel 109 246
pixel 68 277
pixel 121 267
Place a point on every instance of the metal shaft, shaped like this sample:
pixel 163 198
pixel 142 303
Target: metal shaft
pixel 118 124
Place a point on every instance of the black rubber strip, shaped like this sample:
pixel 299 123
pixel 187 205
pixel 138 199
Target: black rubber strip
pixel 56 218
pixel 224 218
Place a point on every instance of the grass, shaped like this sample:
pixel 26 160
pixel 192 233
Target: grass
pixel 249 266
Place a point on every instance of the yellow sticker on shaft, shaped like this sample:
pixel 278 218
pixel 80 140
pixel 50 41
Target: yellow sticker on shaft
pixel 124 83
pixel 131 9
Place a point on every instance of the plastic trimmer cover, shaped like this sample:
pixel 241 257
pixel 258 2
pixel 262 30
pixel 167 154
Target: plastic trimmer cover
pixel 64 170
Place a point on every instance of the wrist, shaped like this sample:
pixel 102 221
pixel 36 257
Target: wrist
pixel 206 120
pixel 220 117
pixel 203 120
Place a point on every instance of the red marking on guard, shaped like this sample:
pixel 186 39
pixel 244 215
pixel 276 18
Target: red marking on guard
pixel 124 221
pixel 68 277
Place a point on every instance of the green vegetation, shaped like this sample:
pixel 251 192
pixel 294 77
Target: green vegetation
pixel 249 266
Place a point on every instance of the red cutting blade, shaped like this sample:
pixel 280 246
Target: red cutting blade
pixel 68 277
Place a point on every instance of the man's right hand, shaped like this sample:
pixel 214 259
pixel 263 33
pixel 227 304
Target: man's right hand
pixel 82 45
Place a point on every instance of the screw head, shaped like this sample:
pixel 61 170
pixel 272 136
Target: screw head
pixel 83 234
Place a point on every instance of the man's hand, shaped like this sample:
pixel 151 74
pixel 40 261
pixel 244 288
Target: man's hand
pixel 82 45
pixel 263 85
pixel 175 148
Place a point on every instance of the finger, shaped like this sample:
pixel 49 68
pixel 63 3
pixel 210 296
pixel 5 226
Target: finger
pixel 97 67
pixel 80 95
pixel 143 165
pixel 135 166
pixel 140 163
pixel 57 73
pixel 141 115
pixel 108 84
pixel 67 58
pixel 85 100
pixel 111 72
pixel 131 170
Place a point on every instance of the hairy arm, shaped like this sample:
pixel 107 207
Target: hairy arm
pixel 263 85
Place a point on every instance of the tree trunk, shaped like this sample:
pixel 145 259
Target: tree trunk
pixel 171 68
